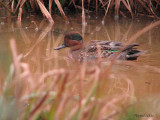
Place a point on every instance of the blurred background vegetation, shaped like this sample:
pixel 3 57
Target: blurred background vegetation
pixel 116 8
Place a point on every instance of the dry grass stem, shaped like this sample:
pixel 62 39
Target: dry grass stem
pixel 12 6
pixel 60 9
pixel 110 116
pixel 22 3
pixel 117 5
pixel 45 11
pixel 61 107
pixel 38 106
pixel 50 6
pixel 32 5
pixel 127 5
pixel 18 4
pixel 83 14
pixel 51 73
pixel 107 10
pixel 19 19
pixel 10 11
pixel 16 62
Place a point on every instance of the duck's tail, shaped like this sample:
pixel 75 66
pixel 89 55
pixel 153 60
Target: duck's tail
pixel 131 53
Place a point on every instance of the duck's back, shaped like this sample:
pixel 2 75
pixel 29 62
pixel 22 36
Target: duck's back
pixel 107 50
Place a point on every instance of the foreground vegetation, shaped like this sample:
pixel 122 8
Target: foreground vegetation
pixel 78 91
pixel 73 91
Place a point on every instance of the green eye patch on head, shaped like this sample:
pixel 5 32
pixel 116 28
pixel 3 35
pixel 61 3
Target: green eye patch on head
pixel 74 36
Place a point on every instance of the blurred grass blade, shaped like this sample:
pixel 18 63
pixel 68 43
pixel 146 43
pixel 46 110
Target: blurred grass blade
pixel 19 19
pixel 45 11
pixel 33 113
pixel 8 79
pixel 16 62
pixel 12 6
pixel 61 106
pixel 83 14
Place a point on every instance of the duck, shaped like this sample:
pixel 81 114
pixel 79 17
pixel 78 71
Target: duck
pixel 97 49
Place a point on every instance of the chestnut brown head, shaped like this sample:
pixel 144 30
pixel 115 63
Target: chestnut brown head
pixel 71 39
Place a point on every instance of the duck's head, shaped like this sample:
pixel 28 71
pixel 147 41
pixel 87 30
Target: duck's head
pixel 73 40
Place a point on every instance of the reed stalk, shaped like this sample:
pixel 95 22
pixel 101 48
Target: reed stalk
pixel 120 8
pixel 10 11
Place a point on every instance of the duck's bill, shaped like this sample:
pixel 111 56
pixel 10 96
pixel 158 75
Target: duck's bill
pixel 60 47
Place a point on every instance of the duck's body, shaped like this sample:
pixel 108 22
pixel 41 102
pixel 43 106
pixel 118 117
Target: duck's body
pixel 97 49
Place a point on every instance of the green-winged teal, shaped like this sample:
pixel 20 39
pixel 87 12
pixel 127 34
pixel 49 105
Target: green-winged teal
pixel 105 50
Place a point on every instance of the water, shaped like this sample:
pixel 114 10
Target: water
pixel 36 41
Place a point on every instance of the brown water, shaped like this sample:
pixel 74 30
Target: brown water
pixel 36 42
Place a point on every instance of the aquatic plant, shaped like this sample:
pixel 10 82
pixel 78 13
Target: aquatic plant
pixel 60 93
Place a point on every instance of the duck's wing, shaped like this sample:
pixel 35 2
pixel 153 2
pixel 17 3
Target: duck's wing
pixel 107 49
pixel 95 45
pixel 99 49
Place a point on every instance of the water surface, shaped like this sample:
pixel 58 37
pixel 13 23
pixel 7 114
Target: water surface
pixel 36 39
